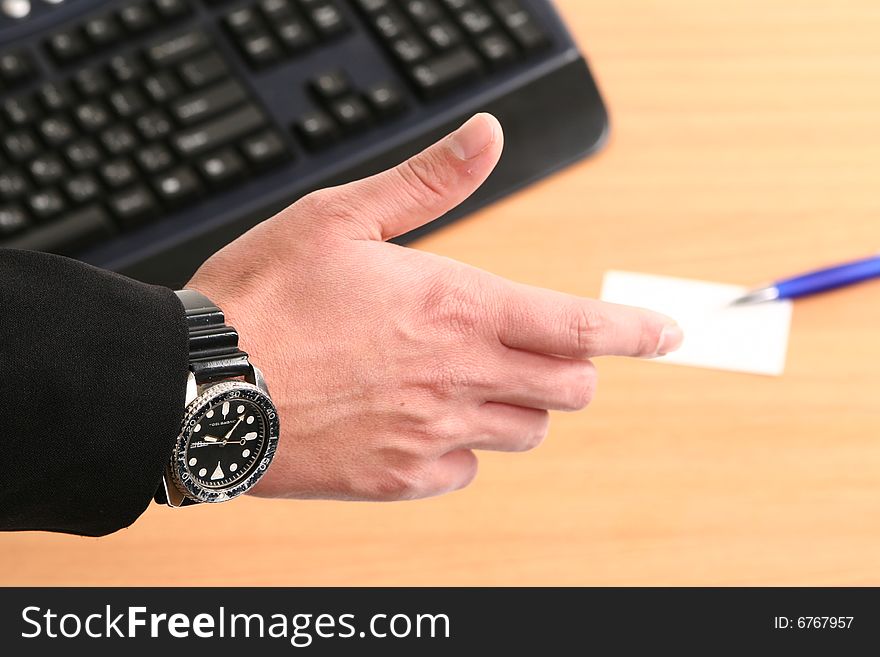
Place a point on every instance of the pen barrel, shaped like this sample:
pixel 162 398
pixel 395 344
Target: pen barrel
pixel 830 278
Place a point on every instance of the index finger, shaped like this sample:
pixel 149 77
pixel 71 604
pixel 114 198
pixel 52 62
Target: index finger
pixel 550 322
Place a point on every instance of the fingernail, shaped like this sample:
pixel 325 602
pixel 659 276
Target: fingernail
pixel 670 339
pixel 472 138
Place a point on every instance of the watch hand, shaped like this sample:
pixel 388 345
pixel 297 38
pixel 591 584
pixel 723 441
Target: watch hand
pixel 234 427
pixel 250 436
pixel 211 439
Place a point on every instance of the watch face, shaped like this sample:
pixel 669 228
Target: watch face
pixel 228 439
pixel 226 443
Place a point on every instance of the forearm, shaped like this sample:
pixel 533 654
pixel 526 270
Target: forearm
pixel 94 368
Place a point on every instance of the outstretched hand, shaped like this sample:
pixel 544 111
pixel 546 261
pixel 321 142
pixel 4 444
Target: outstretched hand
pixel 390 366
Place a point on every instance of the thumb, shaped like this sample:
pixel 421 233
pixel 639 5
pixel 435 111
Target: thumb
pixel 420 189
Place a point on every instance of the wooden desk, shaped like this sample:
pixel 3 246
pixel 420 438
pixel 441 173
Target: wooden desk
pixel 745 145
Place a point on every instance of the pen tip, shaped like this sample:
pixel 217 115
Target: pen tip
pixel 756 296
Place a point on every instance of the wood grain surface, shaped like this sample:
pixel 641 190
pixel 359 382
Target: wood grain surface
pixel 745 145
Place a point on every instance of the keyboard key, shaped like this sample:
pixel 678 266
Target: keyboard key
pixel 57 130
pixel 67 46
pixel 92 116
pixel 103 30
pixel 127 68
pixel 328 20
pixel 138 17
pixel 162 87
pixel 20 145
pixel 91 81
pixel 293 34
pixel 154 158
pixel 20 111
pixel 83 154
pixel 317 129
pixel 12 220
pixel 203 70
pixel 15 67
pixel 276 10
pixel 438 74
pixel 153 125
pixel 118 139
pixel 183 46
pixel 497 49
pixel 476 20
pixel 350 112
pixel 56 96
pixel 15 9
pixel 331 84
pixel 127 101
pixel 118 173
pixel 221 167
pixel 373 6
pixel 133 206
pixel 46 203
pixel 410 49
pixel 261 48
pixel 67 234
pixel 423 12
pixel 390 24
pixel 171 9
pixel 83 188
pixel 177 186
pixel 520 23
pixel 201 105
pixel 385 99
pixel 443 35
pixel 219 132
pixel 243 21
pixel 264 149
pixel 13 185
pixel 47 169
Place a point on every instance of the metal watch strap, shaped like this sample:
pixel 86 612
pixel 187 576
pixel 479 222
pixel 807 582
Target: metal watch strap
pixel 213 346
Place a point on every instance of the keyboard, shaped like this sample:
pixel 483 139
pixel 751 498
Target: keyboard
pixel 143 135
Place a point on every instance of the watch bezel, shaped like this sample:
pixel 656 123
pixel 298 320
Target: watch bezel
pixel 183 479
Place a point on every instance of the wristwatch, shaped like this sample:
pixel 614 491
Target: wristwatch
pixel 229 431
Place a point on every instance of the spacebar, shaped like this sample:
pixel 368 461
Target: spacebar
pixel 65 234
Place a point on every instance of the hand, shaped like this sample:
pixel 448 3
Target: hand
pixel 234 427
pixel 208 441
pixel 389 365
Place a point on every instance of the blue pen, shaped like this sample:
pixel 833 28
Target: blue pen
pixel 816 281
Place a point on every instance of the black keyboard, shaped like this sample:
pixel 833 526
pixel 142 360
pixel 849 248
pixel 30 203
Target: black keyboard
pixel 143 135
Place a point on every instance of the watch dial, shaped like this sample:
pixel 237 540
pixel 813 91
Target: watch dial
pixel 227 443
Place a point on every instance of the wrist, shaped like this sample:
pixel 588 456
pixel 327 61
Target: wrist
pixel 230 428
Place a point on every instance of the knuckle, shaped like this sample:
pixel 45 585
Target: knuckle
pixel 424 180
pixel 447 429
pixel 452 304
pixel 468 471
pixel 649 335
pixel 586 330
pixel 401 481
pixel 535 437
pixel 448 380
pixel 584 387
pixel 323 204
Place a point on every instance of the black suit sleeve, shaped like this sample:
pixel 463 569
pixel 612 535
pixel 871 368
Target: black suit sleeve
pixel 94 369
